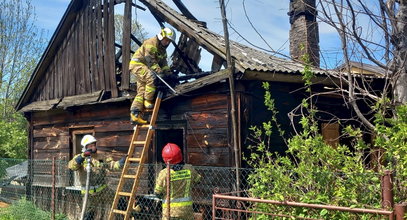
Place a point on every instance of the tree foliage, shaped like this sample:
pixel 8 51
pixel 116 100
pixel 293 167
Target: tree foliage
pixel 392 138
pixel 21 45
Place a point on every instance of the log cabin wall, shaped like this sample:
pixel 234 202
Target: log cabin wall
pixel 286 97
pixel 206 119
pixel 53 130
pixel 84 61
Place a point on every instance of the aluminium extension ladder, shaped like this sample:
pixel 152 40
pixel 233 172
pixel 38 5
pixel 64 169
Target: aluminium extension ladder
pixel 114 211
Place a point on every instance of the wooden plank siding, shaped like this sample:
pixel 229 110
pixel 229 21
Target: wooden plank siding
pixel 52 131
pixel 207 132
pixel 84 59
pixel 206 119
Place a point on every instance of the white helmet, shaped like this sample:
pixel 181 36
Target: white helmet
pixel 87 139
pixel 168 33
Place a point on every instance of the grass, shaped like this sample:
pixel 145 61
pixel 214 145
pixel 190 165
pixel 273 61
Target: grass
pixel 26 210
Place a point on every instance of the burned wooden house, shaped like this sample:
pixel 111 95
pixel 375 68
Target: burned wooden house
pixel 82 86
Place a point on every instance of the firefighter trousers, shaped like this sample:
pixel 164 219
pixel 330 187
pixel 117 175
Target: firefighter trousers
pixel 145 86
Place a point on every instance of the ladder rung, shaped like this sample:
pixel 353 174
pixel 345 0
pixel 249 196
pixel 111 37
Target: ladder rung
pixel 130 176
pixel 144 126
pixel 125 194
pixel 134 159
pixel 119 211
pixel 139 142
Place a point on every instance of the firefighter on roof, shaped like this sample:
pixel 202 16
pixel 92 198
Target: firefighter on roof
pixel 183 178
pixel 149 59
pixel 99 193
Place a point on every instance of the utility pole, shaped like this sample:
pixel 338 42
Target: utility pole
pixel 231 67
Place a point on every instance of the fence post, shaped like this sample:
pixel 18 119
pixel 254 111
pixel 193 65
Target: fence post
pixel 28 186
pixel 387 190
pixel 53 190
pixel 400 210
pixel 213 206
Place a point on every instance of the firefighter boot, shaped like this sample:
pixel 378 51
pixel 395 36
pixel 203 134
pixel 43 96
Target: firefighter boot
pixel 148 104
pixel 135 118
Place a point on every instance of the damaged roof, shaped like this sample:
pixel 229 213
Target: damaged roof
pixel 245 58
pixel 249 63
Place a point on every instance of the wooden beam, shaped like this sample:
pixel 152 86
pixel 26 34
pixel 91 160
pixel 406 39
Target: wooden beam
pixel 111 50
pixel 287 77
pixel 201 82
pixel 125 80
pixel 88 98
pixel 217 63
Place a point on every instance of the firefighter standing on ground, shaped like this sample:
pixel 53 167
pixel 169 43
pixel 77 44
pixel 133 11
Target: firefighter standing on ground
pixel 150 56
pixel 99 193
pixel 183 177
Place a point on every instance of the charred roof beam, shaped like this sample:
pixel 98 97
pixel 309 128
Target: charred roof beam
pixel 132 4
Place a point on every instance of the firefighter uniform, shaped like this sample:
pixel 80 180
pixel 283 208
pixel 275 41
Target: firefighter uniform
pixel 99 192
pixel 150 56
pixel 181 184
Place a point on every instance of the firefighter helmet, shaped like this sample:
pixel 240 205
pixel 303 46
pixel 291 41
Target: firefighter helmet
pixel 172 153
pixel 87 139
pixel 166 32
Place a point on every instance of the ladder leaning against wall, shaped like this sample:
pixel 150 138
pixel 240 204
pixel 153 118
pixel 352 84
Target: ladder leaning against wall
pixel 115 211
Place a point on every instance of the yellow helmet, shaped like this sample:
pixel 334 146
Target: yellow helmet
pixel 168 33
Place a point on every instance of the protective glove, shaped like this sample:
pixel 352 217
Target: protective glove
pixel 160 74
pixel 138 208
pixel 172 76
pixel 122 161
pixel 79 159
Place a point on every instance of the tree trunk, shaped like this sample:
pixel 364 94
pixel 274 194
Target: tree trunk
pixel 400 77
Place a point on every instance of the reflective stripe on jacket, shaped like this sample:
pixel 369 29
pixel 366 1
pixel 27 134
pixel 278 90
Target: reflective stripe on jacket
pixel 181 187
pixel 152 55
pixel 99 167
pixel 94 189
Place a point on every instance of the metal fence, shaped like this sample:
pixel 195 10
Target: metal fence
pixel 51 186
pixel 241 206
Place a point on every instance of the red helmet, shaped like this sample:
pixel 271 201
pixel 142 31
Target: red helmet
pixel 172 153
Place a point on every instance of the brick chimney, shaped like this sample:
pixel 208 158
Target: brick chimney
pixel 304 34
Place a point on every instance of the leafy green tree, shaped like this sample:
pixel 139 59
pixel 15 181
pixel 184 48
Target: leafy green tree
pixel 13 137
pixel 21 45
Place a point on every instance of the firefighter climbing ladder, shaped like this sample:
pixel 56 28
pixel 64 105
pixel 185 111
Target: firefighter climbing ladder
pixel 114 211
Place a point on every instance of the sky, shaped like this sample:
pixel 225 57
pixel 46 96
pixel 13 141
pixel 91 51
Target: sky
pixel 269 18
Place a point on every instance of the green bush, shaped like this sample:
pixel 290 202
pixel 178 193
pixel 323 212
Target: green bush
pixel 26 210
pixel 392 138
pixel 312 171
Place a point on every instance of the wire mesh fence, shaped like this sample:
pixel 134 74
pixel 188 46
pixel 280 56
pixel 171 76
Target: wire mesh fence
pixel 51 186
